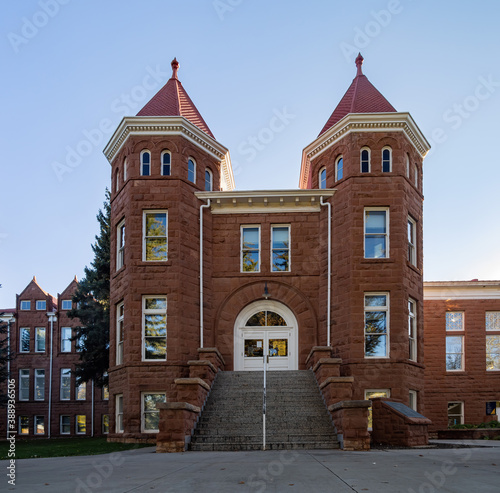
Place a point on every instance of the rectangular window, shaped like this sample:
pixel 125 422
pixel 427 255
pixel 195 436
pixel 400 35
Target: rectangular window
pixel 81 424
pixel 454 321
pixel 105 424
pixel 151 415
pixel 81 391
pixel 155 236
pixel 412 399
pixel 41 305
pixel 120 245
pixel 39 385
pixel 24 340
pixel 372 394
pixel 280 254
pixel 25 305
pixel 24 385
pixel 412 329
pixel 40 339
pixel 250 249
pixel 155 327
pixel 376 325
pixel 119 413
pixel 376 233
pixel 24 425
pixel 120 311
pixel 66 305
pixel 493 352
pixel 493 321
pixel 454 353
pixel 66 339
pixel 455 413
pixel 39 425
pixel 412 243
pixel 416 176
pixel 65 424
pixel 65 384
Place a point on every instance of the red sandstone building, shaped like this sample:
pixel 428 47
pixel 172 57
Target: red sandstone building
pixel 325 277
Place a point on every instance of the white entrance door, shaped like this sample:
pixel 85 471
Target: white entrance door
pixel 265 329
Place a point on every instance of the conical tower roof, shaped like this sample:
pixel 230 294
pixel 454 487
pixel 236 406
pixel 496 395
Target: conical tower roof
pixel 173 100
pixel 361 97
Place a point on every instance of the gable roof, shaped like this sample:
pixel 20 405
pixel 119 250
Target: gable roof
pixel 361 97
pixel 173 100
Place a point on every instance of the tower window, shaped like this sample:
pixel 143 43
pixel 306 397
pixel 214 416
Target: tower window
pixel 120 245
pixel 412 330
pixel 155 328
pixel 125 170
pixel 376 325
pixel 322 178
pixel 166 159
pixel 339 168
pixel 415 177
pixel 365 160
pixel 150 415
pixel 208 180
pixel 407 166
pixel 412 244
pixel 145 163
pixel 377 233
pixel 120 313
pixel 155 236
pixel 386 160
pixel 191 170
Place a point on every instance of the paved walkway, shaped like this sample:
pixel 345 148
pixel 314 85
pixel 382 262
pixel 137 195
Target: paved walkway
pixel 454 470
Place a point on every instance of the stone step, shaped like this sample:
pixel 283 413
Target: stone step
pixel 240 447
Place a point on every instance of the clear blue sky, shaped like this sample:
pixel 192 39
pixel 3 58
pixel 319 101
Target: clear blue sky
pixel 70 67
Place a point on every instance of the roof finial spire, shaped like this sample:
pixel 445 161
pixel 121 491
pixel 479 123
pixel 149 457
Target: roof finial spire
pixel 175 67
pixel 359 62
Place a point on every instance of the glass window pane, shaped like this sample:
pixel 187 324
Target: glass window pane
pixel 375 222
pixel 376 300
pixel 155 325
pixel 375 247
pixel 278 347
pixel 280 260
pixel 375 322
pixel 146 157
pixel 251 238
pixel 254 348
pixel 156 303
pixel 250 261
pixel 274 319
pixel 454 321
pixel 155 347
pixel 156 249
pixel 453 344
pixel 156 224
pixel 493 321
pixel 375 346
pixel 258 319
pixel 280 237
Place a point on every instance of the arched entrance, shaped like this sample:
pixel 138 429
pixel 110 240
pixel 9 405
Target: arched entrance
pixel 266 329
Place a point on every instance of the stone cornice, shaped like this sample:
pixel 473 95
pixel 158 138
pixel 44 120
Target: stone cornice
pixel 462 290
pixel 363 122
pixel 265 201
pixel 171 125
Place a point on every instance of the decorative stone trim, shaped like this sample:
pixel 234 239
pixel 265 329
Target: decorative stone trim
pixel 316 349
pixel 192 381
pixel 331 380
pixel 202 362
pixel 327 361
pixel 178 406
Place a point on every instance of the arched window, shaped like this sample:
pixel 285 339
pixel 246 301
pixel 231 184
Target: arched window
pixel 191 170
pixel 124 170
pixel 117 180
pixel 322 178
pixel 386 160
pixel 145 163
pixel 266 318
pixel 339 168
pixel 365 160
pixel 208 180
pixel 166 159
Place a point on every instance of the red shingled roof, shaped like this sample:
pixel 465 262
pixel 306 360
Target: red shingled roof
pixel 173 100
pixel 361 97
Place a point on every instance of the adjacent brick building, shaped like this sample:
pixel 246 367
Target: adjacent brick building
pixel 49 403
pixel 462 352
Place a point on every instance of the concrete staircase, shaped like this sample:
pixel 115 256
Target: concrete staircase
pixel 296 415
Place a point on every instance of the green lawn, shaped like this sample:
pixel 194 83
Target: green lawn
pixel 63 447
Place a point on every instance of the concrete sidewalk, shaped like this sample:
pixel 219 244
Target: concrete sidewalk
pixel 426 470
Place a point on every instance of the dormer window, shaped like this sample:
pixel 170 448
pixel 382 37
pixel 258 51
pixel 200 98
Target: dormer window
pixel 322 178
pixel 208 180
pixel 145 163
pixel 365 160
pixel 339 168
pixel 165 163
pixel 386 160
pixel 191 170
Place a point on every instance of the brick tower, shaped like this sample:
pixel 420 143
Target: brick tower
pixel 373 155
pixel 159 158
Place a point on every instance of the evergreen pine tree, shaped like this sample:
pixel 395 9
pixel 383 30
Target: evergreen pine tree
pixel 92 309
